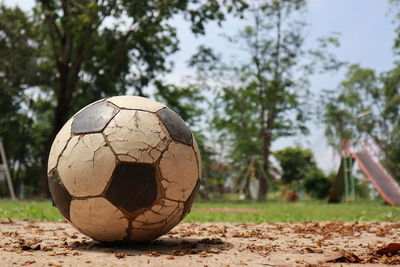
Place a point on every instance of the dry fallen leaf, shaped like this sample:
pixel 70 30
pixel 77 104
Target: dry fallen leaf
pixel 203 254
pixel 214 250
pixel 120 255
pixel 153 254
pixel 178 253
pixel 391 248
pixel 29 244
pixel 343 256
pixel 28 263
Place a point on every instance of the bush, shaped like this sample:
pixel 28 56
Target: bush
pixel 316 184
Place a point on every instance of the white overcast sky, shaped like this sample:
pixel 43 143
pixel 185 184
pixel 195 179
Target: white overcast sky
pixel 366 37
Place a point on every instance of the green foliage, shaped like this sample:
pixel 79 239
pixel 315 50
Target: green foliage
pixel 22 118
pixel 316 184
pixel 120 44
pixel 238 123
pixel 63 55
pixel 263 98
pixel 299 170
pixel 366 106
pixel 295 163
pixel 261 103
pixel 362 189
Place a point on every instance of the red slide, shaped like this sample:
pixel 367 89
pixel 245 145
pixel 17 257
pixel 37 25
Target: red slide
pixel 383 182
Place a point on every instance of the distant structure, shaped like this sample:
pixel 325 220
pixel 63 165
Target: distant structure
pixel 374 171
pixel 6 170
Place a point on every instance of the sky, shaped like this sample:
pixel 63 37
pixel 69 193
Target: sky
pixel 366 34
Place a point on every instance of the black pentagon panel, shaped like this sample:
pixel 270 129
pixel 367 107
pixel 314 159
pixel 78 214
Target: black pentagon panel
pixel 189 202
pixel 175 125
pixel 133 186
pixel 94 118
pixel 60 195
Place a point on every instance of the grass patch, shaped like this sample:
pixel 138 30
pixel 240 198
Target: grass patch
pixel 35 210
pixel 292 212
pixel 235 211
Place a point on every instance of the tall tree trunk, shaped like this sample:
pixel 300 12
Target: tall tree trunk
pixel 68 55
pixel 262 196
pixel 266 144
pixel 262 88
pixel 269 92
pixel 68 78
pixel 59 118
pixel 250 164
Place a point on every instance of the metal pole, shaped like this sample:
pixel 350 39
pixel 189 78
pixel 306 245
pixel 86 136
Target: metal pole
pixel 346 179
pixel 7 171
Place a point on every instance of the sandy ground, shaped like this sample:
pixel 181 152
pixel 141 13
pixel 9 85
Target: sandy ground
pixel 30 243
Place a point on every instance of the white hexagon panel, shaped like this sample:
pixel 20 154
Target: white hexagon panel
pixel 124 168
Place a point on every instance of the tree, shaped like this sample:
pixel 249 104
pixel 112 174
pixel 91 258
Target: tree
pixel 263 98
pixel 111 58
pixel 299 170
pixel 22 122
pixel 295 164
pixel 316 184
pixel 366 106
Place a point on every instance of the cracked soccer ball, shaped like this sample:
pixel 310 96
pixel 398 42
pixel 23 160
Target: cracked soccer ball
pixel 124 168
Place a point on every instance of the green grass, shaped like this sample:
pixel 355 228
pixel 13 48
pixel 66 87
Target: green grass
pixel 236 211
pixel 34 210
pixel 293 212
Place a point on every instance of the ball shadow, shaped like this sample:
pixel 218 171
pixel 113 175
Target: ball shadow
pixel 161 246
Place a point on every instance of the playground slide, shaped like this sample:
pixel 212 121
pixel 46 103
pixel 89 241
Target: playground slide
pixel 383 182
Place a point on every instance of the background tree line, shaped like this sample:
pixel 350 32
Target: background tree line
pixel 64 54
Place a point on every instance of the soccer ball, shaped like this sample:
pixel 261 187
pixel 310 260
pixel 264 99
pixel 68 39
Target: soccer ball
pixel 124 168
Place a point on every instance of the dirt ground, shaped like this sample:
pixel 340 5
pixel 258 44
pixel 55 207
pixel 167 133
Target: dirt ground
pixel 30 243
